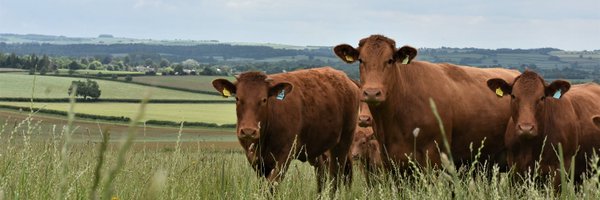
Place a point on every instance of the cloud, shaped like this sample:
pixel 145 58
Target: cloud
pixel 424 23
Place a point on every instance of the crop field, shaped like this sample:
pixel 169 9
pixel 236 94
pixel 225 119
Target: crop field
pixel 219 113
pixel 38 163
pixel 21 85
pixel 203 83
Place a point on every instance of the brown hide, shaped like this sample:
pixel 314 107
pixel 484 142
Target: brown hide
pixel 539 113
pixel 365 149
pixel 586 102
pixel 317 115
pixel 398 95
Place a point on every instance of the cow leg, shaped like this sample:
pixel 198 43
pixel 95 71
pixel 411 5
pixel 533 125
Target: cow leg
pixel 348 172
pixel 319 165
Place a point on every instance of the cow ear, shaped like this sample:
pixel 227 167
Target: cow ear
pixel 557 89
pixel 281 90
pixel 346 52
pixel 499 86
pixel 405 54
pixel 224 87
pixel 596 120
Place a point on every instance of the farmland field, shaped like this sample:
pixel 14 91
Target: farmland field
pixel 21 85
pixel 38 163
pixel 203 83
pixel 211 113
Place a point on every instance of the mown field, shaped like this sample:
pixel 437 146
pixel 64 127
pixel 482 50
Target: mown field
pixel 21 85
pixel 212 113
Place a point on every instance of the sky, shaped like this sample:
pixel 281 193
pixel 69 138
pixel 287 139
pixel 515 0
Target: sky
pixel 568 25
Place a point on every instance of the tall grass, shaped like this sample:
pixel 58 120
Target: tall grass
pixel 38 163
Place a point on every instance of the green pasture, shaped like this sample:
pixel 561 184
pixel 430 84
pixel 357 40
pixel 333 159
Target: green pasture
pixel 21 85
pixel 210 113
pixel 203 83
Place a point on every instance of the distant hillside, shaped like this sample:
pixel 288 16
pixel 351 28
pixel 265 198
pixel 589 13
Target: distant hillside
pixel 274 58
pixel 110 39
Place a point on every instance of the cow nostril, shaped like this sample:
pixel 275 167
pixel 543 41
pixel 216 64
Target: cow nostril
pixel 365 93
pixel 526 127
pixel 378 93
pixel 248 132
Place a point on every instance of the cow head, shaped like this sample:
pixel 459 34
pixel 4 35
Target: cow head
pixel 378 58
pixel 364 116
pixel 361 145
pixel 528 95
pixel 253 90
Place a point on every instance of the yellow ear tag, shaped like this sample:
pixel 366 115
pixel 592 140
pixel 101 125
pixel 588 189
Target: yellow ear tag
pixel 349 58
pixel 226 93
pixel 405 61
pixel 499 92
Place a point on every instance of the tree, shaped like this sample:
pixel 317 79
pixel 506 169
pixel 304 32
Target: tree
pixel 164 63
pixel 95 65
pixel 179 69
pixel 74 66
pixel 190 64
pixel 84 89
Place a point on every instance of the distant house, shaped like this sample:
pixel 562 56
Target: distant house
pixel 143 69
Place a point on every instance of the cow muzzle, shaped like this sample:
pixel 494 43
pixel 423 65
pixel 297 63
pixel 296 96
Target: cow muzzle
pixel 365 121
pixel 526 130
pixel 373 96
pixel 248 133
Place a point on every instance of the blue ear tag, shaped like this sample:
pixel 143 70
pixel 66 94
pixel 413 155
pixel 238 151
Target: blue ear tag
pixel 557 94
pixel 281 95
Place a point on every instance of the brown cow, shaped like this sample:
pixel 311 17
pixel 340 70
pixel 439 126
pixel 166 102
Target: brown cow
pixel 302 114
pixel 365 149
pixel 398 90
pixel 543 111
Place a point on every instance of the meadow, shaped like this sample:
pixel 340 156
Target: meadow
pixel 220 113
pixel 21 85
pixel 49 164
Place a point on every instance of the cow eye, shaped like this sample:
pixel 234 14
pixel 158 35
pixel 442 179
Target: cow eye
pixel 237 99
pixel 360 60
pixel 512 96
pixel 390 61
pixel 542 98
pixel 264 100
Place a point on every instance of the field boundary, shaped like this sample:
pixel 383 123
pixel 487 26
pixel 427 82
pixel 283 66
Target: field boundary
pixel 66 100
pixel 118 119
pixel 138 83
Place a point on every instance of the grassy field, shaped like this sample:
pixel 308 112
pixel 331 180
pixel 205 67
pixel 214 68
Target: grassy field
pixel 211 113
pixel 90 129
pixel 47 164
pixel 203 83
pixel 20 85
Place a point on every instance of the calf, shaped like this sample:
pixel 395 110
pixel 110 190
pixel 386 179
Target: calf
pixel 541 111
pixel 309 115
